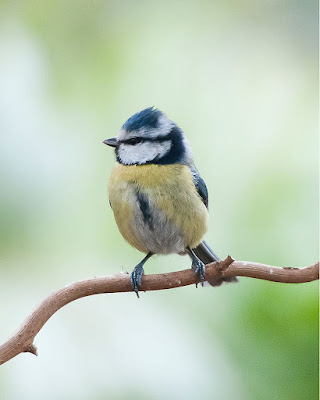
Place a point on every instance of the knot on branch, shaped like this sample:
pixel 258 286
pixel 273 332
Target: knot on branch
pixel 217 271
pixel 31 348
pixel 223 265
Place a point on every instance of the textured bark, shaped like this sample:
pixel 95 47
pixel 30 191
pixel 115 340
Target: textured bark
pixel 22 341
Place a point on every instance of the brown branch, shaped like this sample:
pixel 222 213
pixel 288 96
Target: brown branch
pixel 22 341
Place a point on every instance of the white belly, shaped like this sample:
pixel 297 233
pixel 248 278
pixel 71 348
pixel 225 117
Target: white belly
pixel 159 235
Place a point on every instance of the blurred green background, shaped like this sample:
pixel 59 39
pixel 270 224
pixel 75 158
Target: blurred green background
pixel 240 78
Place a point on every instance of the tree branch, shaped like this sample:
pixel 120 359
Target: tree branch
pixel 22 341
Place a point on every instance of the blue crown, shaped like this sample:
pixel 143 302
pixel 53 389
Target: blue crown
pixel 148 118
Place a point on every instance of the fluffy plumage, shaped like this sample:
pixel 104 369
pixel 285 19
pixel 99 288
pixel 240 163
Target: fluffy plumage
pixel 157 195
pixel 171 216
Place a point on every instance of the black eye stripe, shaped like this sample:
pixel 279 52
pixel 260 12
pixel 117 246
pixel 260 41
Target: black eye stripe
pixel 133 141
pixel 176 154
pixel 136 140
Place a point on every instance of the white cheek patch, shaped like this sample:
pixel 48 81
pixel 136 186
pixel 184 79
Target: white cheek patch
pixel 143 152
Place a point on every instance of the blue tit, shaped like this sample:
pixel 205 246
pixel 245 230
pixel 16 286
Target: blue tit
pixel 159 200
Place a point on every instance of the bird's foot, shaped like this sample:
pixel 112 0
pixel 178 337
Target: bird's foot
pixel 136 276
pixel 199 269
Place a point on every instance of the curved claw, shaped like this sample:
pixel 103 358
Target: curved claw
pixel 199 268
pixel 197 265
pixel 137 273
pixel 135 278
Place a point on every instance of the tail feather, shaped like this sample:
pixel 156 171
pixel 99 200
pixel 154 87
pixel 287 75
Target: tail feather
pixel 206 255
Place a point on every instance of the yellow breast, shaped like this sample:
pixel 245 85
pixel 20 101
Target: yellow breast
pixel 169 188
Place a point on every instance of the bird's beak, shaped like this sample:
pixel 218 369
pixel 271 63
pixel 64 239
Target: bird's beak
pixel 113 142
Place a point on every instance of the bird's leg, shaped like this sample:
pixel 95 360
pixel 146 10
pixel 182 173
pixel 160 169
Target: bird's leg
pixel 137 273
pixel 197 265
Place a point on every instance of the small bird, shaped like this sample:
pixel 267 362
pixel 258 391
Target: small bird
pixel 159 200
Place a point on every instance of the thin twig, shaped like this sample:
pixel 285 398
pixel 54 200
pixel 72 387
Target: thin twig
pixel 22 341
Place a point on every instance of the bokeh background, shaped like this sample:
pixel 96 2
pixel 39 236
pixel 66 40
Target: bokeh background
pixel 240 78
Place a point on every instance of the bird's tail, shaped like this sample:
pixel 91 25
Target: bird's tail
pixel 206 255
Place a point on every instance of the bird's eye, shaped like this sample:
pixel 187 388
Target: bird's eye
pixel 134 141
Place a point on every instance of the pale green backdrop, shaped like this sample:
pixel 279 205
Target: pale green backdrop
pixel 240 78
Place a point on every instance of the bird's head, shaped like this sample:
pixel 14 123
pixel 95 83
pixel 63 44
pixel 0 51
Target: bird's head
pixel 149 137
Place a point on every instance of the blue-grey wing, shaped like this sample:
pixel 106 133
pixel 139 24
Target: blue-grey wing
pixel 200 186
pixel 203 251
